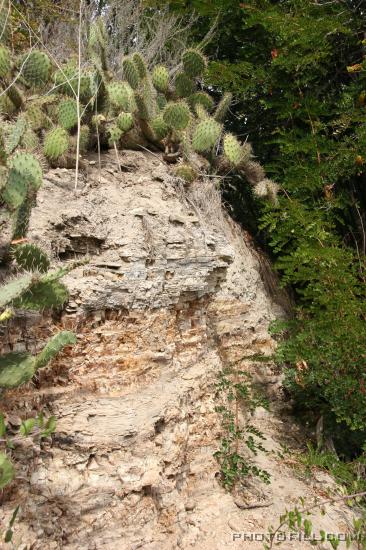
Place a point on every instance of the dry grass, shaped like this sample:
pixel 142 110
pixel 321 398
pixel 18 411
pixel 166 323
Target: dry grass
pixel 206 197
pixel 158 35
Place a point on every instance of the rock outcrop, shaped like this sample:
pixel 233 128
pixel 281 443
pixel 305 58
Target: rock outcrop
pixel 171 295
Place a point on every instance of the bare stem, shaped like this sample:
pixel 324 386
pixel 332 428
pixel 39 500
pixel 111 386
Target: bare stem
pixel 78 98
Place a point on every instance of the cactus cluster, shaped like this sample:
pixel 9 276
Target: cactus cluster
pixel 33 287
pixel 166 110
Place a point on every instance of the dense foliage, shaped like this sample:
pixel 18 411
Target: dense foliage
pixel 297 71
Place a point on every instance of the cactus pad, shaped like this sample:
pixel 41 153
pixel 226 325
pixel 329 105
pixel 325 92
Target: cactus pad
pixel 232 149
pixel 160 78
pixel 36 117
pixel 201 112
pixel 16 369
pixel 131 73
pixel 142 106
pixel 115 134
pixel 206 135
pixel 185 172
pixel 43 295
pixel 14 134
pixel 36 69
pixel 119 94
pixel 28 167
pixel 31 258
pixel 5 61
pixel 13 289
pixel 223 107
pixel 53 347
pixel 159 127
pixel 184 86
pixel 30 140
pixel 56 143
pixel 161 102
pixel 67 114
pixel 194 63
pixel 177 115
pixel 125 121
pixel 140 64
pixel 66 81
pixel 15 190
pixel 203 99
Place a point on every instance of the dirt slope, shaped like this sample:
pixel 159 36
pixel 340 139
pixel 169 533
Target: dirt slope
pixel 172 294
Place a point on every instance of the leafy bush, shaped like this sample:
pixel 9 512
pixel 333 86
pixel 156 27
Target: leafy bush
pixel 297 70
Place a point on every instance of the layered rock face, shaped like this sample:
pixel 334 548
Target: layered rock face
pixel 171 295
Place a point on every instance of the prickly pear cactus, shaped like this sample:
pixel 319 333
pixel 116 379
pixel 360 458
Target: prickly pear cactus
pixel 166 109
pixel 31 258
pixel 119 94
pixel 233 150
pixel 140 65
pixel 184 85
pixel 15 190
pixel 14 289
pixel 67 114
pixel 36 68
pixel 160 128
pixel 5 62
pixel 194 63
pixel 28 168
pixel 131 73
pixel 202 99
pixel 36 118
pixel 125 121
pixel 206 135
pixel 56 143
pixel 186 172
pixel 223 107
pixel 177 115
pixel 16 369
pixel 115 134
pixel 66 81
pixel 160 78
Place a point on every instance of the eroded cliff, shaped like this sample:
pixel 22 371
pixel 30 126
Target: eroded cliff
pixel 172 294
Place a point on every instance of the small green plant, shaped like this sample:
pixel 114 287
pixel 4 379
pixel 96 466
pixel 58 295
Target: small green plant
pixel 8 534
pixel 298 522
pixel 349 475
pixel 36 428
pixel 235 389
